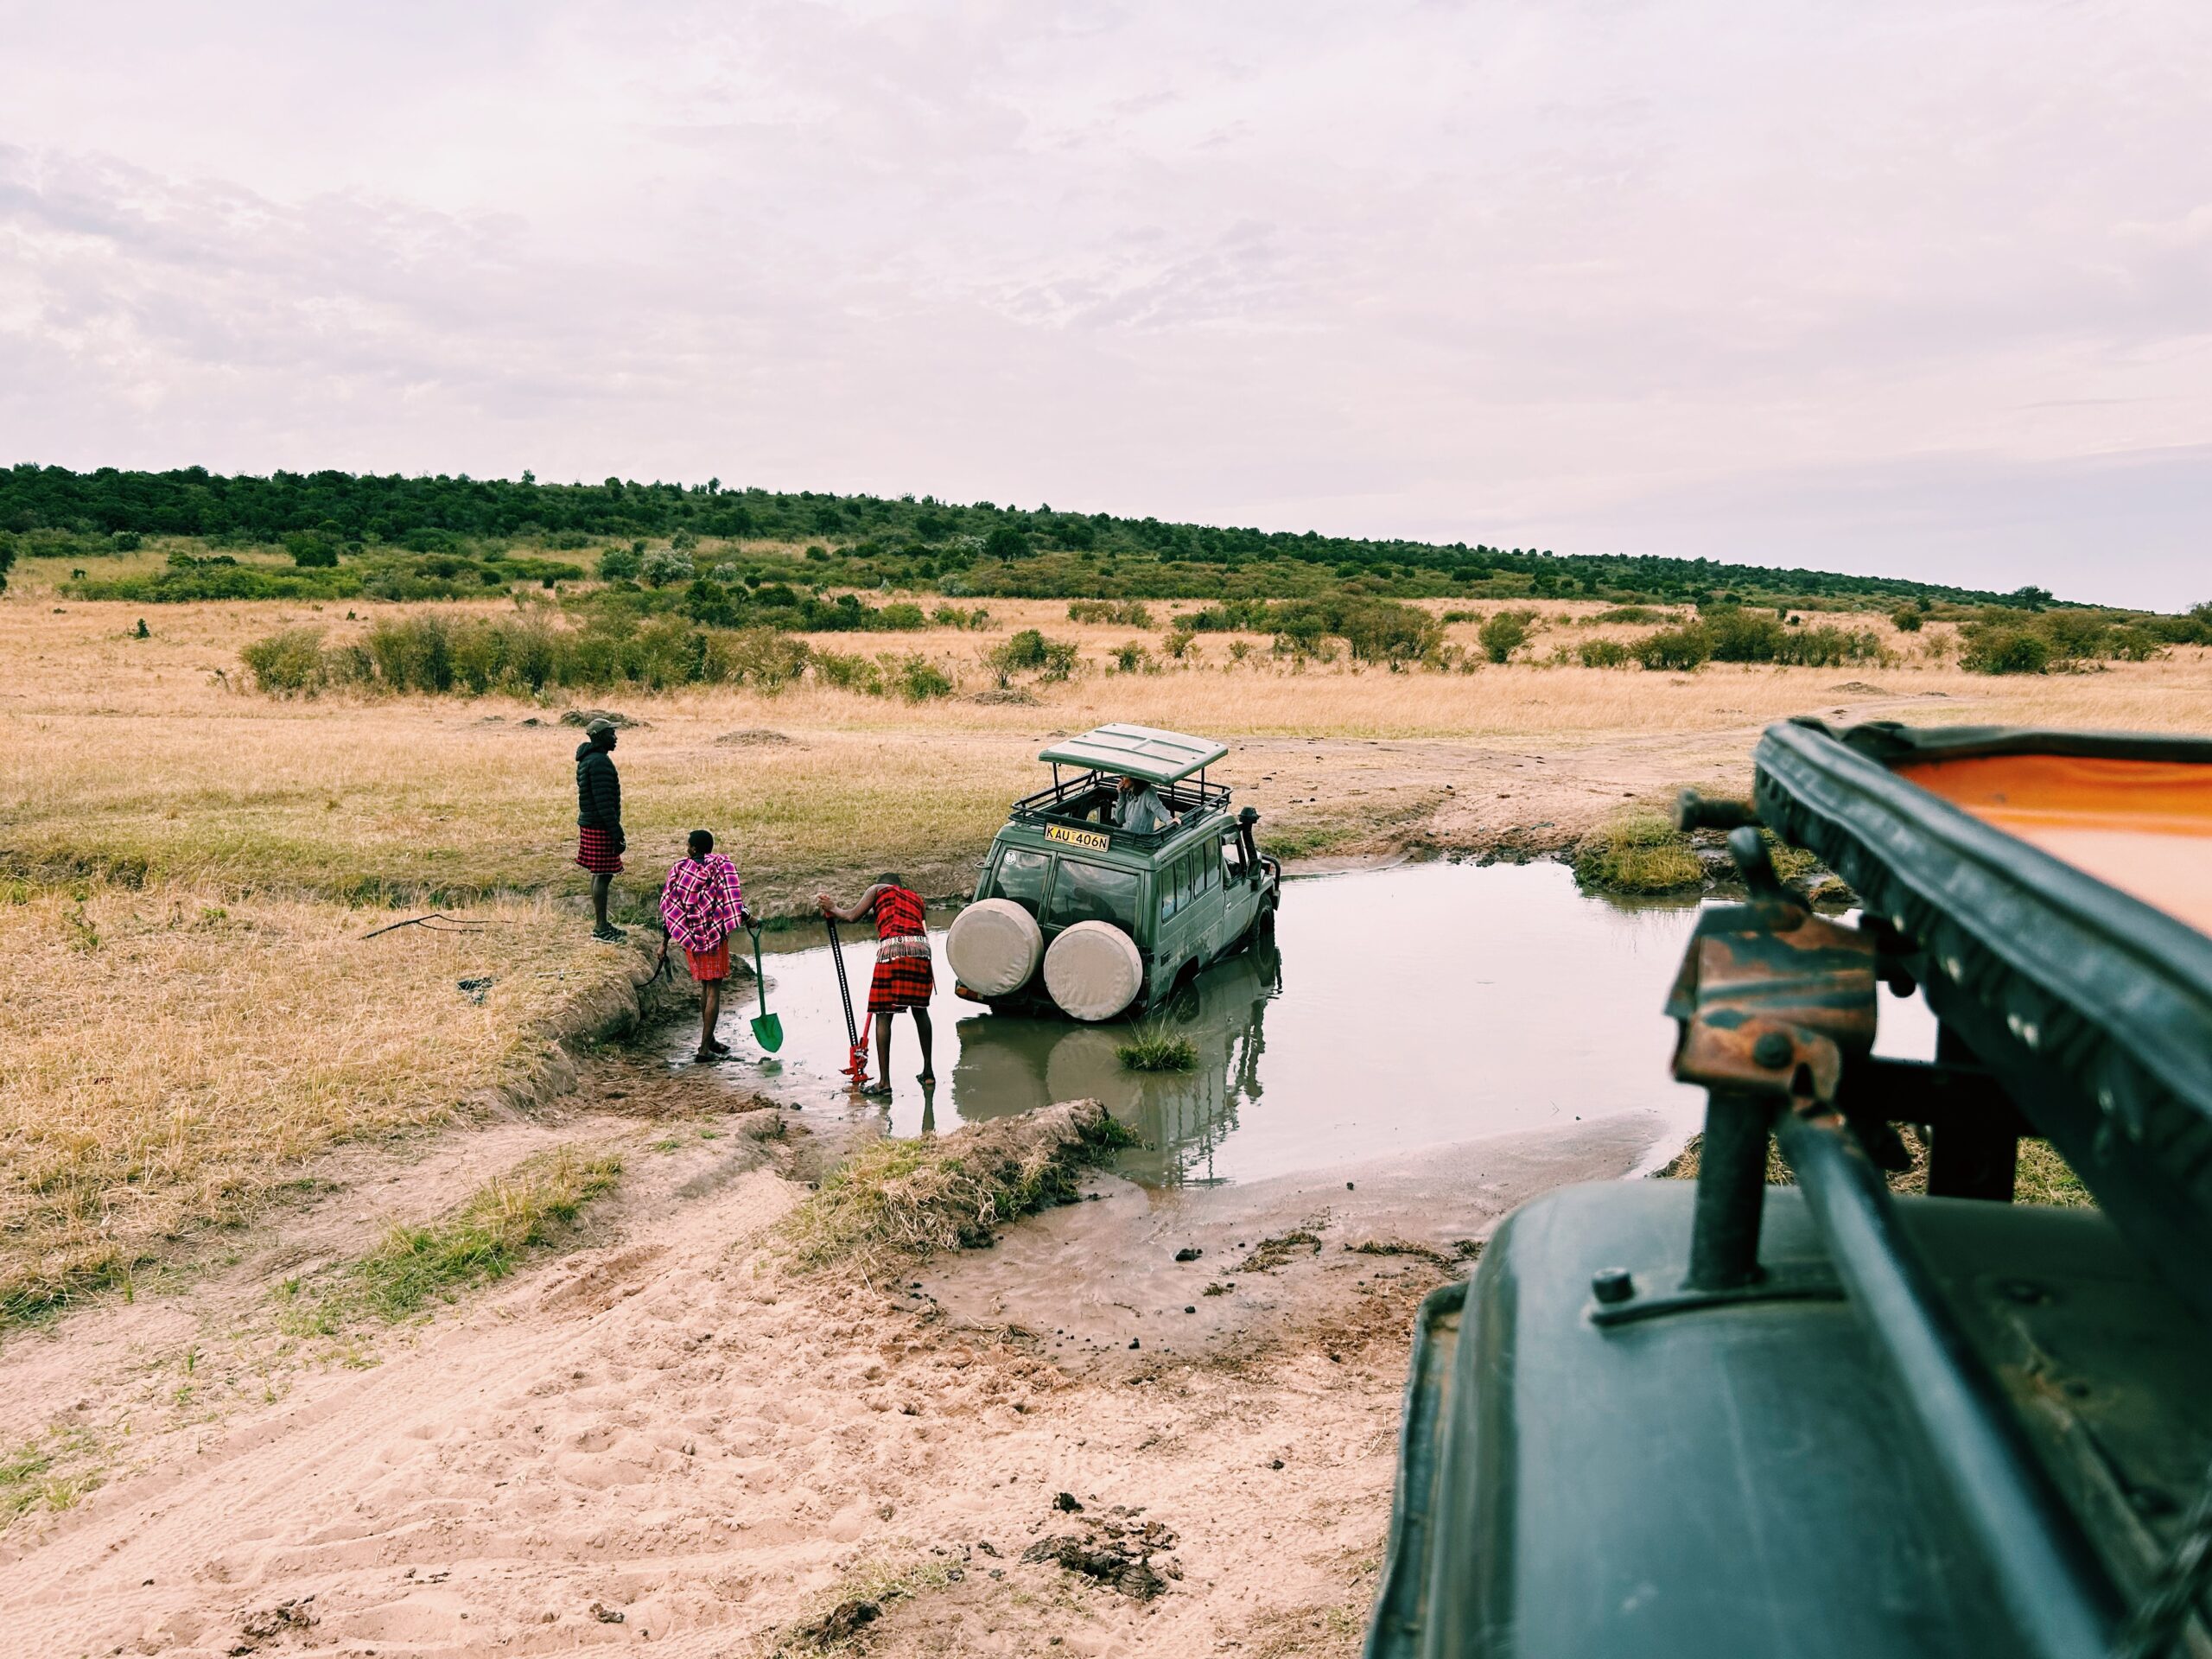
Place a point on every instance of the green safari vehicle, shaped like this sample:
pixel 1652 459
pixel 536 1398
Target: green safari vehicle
pixel 1075 913
pixel 1834 1419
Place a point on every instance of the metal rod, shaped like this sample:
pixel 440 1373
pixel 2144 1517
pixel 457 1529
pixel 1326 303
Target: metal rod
pixel 2061 1602
pixel 1731 1193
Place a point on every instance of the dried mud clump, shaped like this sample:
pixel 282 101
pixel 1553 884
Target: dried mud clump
pixel 1116 1550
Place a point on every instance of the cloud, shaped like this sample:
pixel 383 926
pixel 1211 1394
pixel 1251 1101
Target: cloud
pixel 1663 277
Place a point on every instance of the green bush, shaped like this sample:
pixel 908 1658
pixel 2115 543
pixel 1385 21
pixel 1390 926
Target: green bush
pixel 1505 632
pixel 920 680
pixel 1991 650
pixel 1604 653
pixel 619 564
pixel 662 566
pixel 849 671
pixel 1907 620
pixel 1133 658
pixel 289 663
pixel 1675 650
pixel 1827 647
pixel 901 618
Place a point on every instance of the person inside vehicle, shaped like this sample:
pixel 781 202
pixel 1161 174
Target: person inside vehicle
pixel 1137 806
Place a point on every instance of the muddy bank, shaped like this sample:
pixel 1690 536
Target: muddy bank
pixel 1131 1277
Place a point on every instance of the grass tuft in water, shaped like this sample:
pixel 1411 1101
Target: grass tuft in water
pixel 909 1198
pixel 1157 1051
pixel 481 1240
pixel 1639 851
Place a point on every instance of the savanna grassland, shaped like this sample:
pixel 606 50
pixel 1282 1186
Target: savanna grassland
pixel 190 860
pixel 275 1164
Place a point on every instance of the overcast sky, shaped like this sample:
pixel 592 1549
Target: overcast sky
pixel 1922 289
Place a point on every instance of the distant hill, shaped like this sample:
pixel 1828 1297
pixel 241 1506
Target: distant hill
pixel 862 540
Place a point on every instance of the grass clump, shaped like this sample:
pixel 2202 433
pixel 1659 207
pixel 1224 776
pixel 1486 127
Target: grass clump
pixel 1640 851
pixel 480 1241
pixel 858 1600
pixel 1157 1051
pixel 2041 1176
pixel 911 1199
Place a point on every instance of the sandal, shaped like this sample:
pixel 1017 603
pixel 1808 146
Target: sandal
pixel 876 1092
pixel 708 1057
pixel 609 935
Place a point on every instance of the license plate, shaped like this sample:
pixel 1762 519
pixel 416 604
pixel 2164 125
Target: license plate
pixel 1097 841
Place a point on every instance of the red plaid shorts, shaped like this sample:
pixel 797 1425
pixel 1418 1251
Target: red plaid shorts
pixel 902 982
pixel 595 852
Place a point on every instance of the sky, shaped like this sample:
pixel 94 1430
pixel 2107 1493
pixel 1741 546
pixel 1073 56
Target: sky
pixel 1918 289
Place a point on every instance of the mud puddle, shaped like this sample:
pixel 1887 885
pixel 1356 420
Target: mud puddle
pixel 1398 1010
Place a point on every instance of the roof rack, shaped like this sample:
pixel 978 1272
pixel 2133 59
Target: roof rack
pixel 1144 752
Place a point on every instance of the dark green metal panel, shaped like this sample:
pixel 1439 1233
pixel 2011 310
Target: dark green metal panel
pixel 1741 1478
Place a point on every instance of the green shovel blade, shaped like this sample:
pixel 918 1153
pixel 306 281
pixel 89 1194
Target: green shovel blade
pixel 768 1028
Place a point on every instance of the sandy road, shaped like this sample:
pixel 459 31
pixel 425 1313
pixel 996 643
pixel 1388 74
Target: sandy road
pixel 661 1425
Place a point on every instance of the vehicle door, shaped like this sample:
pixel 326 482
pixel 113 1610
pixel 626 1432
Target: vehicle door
pixel 1240 886
pixel 1178 929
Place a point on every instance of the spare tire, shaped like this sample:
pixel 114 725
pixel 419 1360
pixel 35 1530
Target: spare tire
pixel 1093 970
pixel 993 946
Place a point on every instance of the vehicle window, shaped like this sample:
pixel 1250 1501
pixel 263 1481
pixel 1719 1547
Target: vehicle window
pixel 1232 858
pixel 1093 893
pixel 1168 903
pixel 1182 882
pixel 1021 877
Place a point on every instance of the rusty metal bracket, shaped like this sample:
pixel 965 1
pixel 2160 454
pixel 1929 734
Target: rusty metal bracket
pixel 1768 1012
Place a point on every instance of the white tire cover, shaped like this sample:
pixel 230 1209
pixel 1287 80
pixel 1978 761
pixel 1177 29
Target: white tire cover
pixel 1093 970
pixel 993 946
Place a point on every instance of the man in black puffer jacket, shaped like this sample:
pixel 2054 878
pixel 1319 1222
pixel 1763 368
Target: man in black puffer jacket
pixel 599 821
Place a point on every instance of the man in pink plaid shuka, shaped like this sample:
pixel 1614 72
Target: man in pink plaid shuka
pixel 702 903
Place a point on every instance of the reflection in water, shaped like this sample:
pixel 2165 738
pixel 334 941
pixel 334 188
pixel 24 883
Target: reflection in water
pixel 1010 1064
pixel 1406 1008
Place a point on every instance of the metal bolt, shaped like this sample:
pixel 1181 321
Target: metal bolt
pixel 1773 1050
pixel 1613 1285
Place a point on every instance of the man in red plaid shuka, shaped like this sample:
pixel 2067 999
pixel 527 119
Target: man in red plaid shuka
pixel 904 978
pixel 703 904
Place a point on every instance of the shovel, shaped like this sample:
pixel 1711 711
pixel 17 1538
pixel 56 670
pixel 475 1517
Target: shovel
pixel 768 1029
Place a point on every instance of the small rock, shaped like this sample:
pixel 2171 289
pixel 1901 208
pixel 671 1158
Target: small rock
pixel 1188 1253
pixel 1134 1343
pixel 1188 1309
pixel 1066 1503
pixel 1276 1463
pixel 608 1615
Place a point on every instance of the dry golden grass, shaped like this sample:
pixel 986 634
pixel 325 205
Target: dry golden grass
pixel 143 756
pixel 174 1057
pixel 187 1064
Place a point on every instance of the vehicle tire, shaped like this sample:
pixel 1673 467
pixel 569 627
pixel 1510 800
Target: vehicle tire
pixel 1093 971
pixel 993 947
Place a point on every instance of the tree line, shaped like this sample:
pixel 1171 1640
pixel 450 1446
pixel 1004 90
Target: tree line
pixel 978 547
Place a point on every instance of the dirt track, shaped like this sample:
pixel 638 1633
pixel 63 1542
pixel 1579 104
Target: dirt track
pixel 660 1425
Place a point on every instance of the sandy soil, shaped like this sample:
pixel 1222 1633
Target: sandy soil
pixel 658 1436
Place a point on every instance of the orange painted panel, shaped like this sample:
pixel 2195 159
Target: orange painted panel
pixel 2142 826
